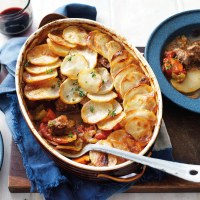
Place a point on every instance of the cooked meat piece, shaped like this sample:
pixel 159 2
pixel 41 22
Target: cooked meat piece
pixel 103 61
pixel 182 55
pixel 60 124
pixel 61 106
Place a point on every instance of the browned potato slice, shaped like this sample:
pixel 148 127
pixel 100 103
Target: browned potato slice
pixel 102 97
pixel 89 54
pixel 93 112
pixel 42 55
pixel 113 47
pixel 111 122
pixel 149 115
pixel 31 78
pixel 141 101
pixel 191 82
pixel 90 80
pixel 100 40
pixel 72 65
pixel 131 80
pixel 127 70
pixel 107 83
pixel 71 92
pixel 43 90
pixel 99 159
pixel 141 89
pixel 58 49
pixel 39 69
pixel 139 128
pixel 117 108
pixel 60 41
pixel 120 60
pixel 75 35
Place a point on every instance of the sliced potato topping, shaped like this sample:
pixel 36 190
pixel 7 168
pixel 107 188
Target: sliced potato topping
pixel 32 78
pixel 120 60
pixel 131 80
pixel 41 55
pixel 93 112
pixel 141 89
pixel 43 90
pixel 139 128
pixel 71 92
pixel 89 54
pixel 39 69
pixel 72 65
pixel 107 83
pixel 111 122
pixel 90 80
pixel 117 108
pixel 58 39
pixel 75 35
pixel 113 47
pixel 191 82
pixel 141 101
pixel 102 97
pixel 58 49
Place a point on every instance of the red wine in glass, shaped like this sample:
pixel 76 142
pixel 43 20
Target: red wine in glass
pixel 14 21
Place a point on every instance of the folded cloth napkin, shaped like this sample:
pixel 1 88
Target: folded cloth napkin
pixel 43 173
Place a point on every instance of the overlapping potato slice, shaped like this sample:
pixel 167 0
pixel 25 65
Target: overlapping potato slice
pixel 141 89
pixel 113 47
pixel 149 115
pixel 75 35
pixel 120 60
pixel 39 69
pixel 89 54
pixel 99 159
pixel 72 65
pixel 107 84
pixel 32 78
pixel 111 122
pixel 58 39
pixel 127 70
pixel 102 97
pixel 117 108
pixel 58 49
pixel 71 92
pixel 42 55
pixel 90 80
pixel 131 80
pixel 191 82
pixel 141 101
pixel 93 112
pixel 43 90
pixel 139 128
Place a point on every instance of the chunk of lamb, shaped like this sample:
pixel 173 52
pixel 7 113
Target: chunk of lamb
pixel 61 106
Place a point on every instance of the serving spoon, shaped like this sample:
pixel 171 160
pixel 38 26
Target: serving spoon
pixel 185 171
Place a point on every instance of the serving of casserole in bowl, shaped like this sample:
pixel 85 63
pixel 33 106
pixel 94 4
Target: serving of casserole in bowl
pixel 78 82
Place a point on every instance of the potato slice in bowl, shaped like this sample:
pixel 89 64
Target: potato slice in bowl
pixel 42 55
pixel 90 80
pixel 38 69
pixel 75 35
pixel 58 49
pixel 107 83
pixel 131 80
pixel 60 41
pixel 43 90
pixel 93 112
pixel 31 78
pixel 71 92
pixel 72 65
pixel 89 54
pixel 102 97
pixel 111 122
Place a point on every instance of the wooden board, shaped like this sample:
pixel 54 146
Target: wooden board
pixel 184 129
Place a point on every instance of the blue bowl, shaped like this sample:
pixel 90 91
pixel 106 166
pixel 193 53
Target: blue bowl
pixel 1 150
pixel 184 23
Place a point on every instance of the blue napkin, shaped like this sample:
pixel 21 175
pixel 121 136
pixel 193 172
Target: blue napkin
pixel 43 173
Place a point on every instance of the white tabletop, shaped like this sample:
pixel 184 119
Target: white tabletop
pixel 135 20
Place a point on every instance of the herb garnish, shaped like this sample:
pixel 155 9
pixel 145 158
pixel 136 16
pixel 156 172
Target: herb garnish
pixel 53 86
pixel 92 109
pixel 93 74
pixel 80 91
pixel 112 113
pixel 49 71
pixel 26 64
pixel 71 135
pixel 70 58
pixel 58 83
pixel 51 123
